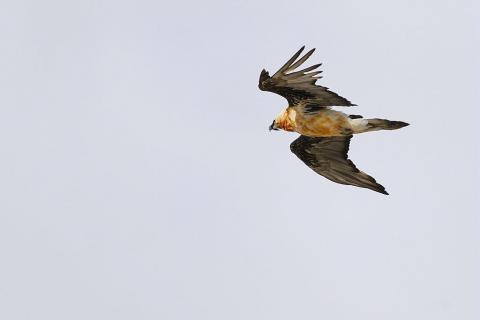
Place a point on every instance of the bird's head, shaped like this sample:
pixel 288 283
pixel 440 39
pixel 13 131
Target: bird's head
pixel 273 126
pixel 284 121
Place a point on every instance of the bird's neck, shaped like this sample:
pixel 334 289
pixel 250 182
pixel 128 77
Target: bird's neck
pixel 286 120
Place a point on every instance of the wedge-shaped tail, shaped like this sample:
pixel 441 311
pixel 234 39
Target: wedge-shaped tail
pixel 365 125
pixel 383 124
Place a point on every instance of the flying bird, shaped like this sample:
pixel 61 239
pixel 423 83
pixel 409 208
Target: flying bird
pixel 325 133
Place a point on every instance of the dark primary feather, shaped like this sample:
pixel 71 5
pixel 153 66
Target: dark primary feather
pixel 299 86
pixel 328 156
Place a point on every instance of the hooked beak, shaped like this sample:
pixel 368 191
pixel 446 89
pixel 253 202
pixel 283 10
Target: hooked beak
pixel 272 126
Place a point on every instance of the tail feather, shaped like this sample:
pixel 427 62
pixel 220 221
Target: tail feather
pixel 366 125
pixel 383 124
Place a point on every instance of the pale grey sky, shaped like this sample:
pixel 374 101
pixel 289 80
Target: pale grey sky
pixel 139 180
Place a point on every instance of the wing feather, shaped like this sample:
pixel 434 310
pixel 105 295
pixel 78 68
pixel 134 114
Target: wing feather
pixel 299 87
pixel 328 156
pixel 301 61
pixel 289 62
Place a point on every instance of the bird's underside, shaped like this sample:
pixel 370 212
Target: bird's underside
pixel 325 133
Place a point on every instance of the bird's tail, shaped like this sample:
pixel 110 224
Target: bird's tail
pixel 366 125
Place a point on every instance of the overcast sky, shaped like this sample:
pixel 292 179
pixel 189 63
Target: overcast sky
pixel 138 178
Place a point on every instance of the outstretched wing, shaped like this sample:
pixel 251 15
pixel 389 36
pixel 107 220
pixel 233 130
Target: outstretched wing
pixel 328 156
pixel 299 86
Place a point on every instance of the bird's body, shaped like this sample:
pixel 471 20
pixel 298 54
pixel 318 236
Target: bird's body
pixel 324 123
pixel 325 132
pixel 329 123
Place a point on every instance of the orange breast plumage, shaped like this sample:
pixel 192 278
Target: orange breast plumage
pixel 324 123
